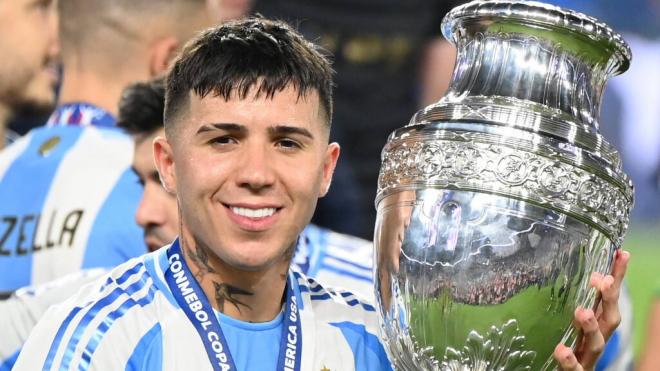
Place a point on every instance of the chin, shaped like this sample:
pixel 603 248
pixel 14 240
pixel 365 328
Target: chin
pixel 253 263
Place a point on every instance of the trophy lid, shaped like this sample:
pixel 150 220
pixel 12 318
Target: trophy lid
pixel 527 85
pixel 562 25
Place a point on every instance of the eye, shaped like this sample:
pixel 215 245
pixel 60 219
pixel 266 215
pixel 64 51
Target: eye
pixel 288 144
pixel 223 140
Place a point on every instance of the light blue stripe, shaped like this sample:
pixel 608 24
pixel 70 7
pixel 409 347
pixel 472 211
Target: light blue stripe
pixel 9 362
pixel 115 237
pixel 148 354
pixel 109 320
pixel 368 352
pixel 93 312
pixel 348 262
pixel 346 273
pixel 48 364
pixel 24 187
pixel 317 248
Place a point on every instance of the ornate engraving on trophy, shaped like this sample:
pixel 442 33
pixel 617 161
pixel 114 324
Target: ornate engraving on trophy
pixel 512 169
pixel 501 349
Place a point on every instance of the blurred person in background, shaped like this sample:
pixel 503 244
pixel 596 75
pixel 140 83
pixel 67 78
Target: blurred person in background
pixel 390 59
pixel 227 10
pixel 28 72
pixel 68 194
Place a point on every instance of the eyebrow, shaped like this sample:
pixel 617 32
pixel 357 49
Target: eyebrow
pixel 288 130
pixel 222 126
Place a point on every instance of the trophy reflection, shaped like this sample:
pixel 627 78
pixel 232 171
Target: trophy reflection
pixel 497 203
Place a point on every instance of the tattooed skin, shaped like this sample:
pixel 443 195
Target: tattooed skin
pixel 201 259
pixel 225 292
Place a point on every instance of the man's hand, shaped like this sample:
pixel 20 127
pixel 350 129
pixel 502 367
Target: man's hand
pixel 597 327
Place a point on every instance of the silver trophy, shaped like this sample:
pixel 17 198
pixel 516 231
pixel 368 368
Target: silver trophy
pixel 497 203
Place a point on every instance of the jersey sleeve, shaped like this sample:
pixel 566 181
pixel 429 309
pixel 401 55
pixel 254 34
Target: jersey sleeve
pixel 22 310
pixel 108 325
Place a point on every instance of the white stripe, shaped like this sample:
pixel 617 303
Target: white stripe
pixel 360 253
pixel 85 178
pixel 93 298
pixel 332 262
pixel 90 330
pixel 9 154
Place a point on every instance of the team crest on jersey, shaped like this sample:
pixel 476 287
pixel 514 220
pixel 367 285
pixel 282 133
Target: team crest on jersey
pixel 49 145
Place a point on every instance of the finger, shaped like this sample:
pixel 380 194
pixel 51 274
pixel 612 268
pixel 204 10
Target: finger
pixel 610 315
pixel 593 342
pixel 566 359
pixel 621 259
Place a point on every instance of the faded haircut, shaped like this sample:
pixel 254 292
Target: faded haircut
pixel 141 107
pixel 234 57
pixel 81 20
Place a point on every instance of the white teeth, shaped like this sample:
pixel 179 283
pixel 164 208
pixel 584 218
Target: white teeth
pixel 253 213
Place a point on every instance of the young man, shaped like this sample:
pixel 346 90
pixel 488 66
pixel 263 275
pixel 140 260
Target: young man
pixel 329 257
pixel 344 261
pixel 250 166
pixel 68 186
pixel 247 125
pixel 28 40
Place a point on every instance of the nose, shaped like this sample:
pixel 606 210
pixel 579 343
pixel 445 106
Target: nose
pixel 150 210
pixel 255 170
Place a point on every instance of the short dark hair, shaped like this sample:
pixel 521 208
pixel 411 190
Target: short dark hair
pixel 236 56
pixel 141 107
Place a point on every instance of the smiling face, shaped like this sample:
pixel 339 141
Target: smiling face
pixel 248 173
pixel 28 40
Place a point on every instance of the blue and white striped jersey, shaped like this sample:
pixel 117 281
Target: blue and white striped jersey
pixel 67 200
pixel 336 260
pixel 320 251
pixel 129 319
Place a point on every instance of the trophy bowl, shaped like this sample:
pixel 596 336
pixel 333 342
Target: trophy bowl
pixel 496 204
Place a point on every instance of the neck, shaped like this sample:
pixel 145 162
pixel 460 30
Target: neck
pixel 90 87
pixel 5 114
pixel 250 296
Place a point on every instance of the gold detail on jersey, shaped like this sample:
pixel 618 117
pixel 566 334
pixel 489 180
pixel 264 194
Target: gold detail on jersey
pixel 49 145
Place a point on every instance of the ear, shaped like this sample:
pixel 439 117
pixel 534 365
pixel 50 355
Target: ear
pixel 329 164
pixel 162 52
pixel 164 158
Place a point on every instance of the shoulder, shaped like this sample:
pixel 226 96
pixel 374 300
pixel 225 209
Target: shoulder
pixel 345 320
pixel 338 249
pixel 336 305
pixel 339 259
pixel 104 323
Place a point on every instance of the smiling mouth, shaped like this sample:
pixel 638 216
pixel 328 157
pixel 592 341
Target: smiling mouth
pixel 253 213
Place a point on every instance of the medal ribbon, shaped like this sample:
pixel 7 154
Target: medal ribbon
pixel 191 298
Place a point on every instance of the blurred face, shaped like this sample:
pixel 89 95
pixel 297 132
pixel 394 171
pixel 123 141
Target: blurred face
pixel 28 41
pixel 157 212
pixel 226 10
pixel 248 173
